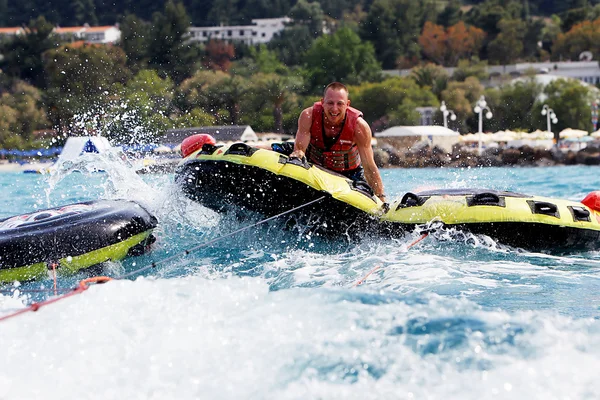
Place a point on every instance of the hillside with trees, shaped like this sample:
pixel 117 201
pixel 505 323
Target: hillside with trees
pixel 154 78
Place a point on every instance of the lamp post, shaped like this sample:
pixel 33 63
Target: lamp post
pixel 595 114
pixel 445 113
pixel 550 117
pixel 479 108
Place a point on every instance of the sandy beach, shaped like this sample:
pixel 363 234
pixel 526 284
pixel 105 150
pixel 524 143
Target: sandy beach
pixel 6 166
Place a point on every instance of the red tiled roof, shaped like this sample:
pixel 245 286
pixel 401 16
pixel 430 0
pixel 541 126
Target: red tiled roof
pixel 11 29
pixel 98 28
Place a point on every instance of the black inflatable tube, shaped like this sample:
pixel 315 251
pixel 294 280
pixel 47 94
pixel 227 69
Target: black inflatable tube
pixel 106 222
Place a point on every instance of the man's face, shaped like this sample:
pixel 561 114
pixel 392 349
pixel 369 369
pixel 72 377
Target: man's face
pixel 335 104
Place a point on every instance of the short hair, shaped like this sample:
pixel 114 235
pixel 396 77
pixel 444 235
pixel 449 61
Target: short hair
pixel 336 86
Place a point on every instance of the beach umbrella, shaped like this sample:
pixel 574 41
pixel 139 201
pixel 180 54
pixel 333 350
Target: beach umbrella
pixel 572 133
pixel 469 137
pixel 162 149
pixel 540 135
pixel 504 136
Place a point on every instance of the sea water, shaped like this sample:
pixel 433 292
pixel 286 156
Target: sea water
pixel 268 313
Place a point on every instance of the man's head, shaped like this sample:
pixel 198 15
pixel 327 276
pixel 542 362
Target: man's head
pixel 335 102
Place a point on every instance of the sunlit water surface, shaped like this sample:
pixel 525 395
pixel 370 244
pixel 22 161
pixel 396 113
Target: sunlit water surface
pixel 273 314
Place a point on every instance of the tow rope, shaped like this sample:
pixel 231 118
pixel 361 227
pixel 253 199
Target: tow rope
pixel 84 284
pixel 426 229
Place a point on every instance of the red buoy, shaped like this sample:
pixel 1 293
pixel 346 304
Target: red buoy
pixel 195 142
pixel 592 200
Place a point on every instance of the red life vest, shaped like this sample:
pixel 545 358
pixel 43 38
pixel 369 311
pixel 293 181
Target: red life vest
pixel 343 154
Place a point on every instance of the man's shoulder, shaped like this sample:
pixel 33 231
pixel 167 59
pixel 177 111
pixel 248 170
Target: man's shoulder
pixel 307 112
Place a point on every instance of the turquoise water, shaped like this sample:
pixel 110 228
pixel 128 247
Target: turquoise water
pixel 273 314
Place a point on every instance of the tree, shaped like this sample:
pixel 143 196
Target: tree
pixel 227 94
pixel 309 14
pixel 582 37
pixel 341 57
pixel 291 44
pixel 573 17
pixel 461 97
pixel 431 76
pixel 570 100
pixel 141 110
pixel 392 26
pixel 224 12
pixel 276 90
pixel 134 41
pixel 259 60
pixel 507 47
pixel 194 91
pixel 489 13
pixel 169 51
pixel 23 54
pixel 20 115
pixel 451 14
pixel 218 55
pixel 3 12
pixel 83 12
pixel 515 105
pixel 392 101
pixel 467 68
pixel 433 41
pixel 447 46
pixel 80 78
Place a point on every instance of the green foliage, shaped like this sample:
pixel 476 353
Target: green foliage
pixel 135 34
pixel 389 102
pixel 291 44
pixel 168 51
pixel 432 77
pixel 514 105
pixel 310 15
pixel 451 14
pixel 142 111
pixel 341 57
pixel 81 79
pixel 573 17
pixel 507 46
pixel 488 14
pixel 260 60
pixel 570 100
pixel 194 117
pixel 85 71
pixel 194 91
pixel 275 91
pixel 23 54
pixel 20 115
pixel 393 27
pixel 461 97
pixel 467 68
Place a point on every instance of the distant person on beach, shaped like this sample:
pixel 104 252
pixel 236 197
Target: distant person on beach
pixel 335 136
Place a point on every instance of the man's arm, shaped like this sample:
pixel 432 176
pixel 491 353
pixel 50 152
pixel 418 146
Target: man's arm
pixel 362 138
pixel 303 133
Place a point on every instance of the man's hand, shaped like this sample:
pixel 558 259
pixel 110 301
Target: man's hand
pixel 297 154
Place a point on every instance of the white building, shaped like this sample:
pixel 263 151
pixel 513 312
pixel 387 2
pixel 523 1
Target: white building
pixel 586 71
pixel 409 136
pixel 90 34
pixel 261 31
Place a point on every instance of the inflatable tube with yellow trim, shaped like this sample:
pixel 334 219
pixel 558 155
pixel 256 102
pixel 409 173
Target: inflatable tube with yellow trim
pixel 72 237
pixel 242 177
pixel 519 220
